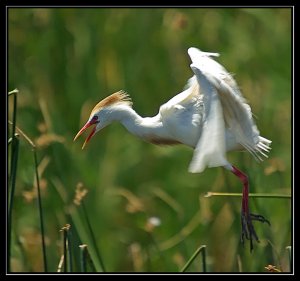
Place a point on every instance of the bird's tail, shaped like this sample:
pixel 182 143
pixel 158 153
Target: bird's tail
pixel 259 150
pixel 262 147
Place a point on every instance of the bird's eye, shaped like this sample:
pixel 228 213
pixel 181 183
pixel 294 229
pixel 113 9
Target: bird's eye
pixel 95 118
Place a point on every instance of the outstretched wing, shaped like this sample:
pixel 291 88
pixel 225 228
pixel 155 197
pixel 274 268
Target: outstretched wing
pixel 224 107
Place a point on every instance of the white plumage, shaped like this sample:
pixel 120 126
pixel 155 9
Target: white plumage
pixel 210 115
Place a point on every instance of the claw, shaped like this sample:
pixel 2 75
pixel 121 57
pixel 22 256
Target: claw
pixel 248 230
pixel 260 218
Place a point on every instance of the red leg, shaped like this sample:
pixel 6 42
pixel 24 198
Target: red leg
pixel 248 230
pixel 244 179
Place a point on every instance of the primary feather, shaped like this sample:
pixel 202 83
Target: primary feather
pixel 224 106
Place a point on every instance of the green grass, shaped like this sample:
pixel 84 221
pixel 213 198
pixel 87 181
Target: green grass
pixel 201 250
pixel 63 61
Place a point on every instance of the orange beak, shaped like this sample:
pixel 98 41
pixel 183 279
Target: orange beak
pixel 87 125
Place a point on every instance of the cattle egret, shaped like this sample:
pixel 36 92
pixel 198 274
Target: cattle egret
pixel 209 115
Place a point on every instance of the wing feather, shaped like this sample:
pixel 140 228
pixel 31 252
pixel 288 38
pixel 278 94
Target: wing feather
pixel 237 115
pixel 210 149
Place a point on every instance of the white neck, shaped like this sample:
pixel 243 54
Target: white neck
pixel 147 128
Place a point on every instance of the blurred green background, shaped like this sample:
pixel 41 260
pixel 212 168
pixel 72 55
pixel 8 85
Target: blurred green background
pixel 63 61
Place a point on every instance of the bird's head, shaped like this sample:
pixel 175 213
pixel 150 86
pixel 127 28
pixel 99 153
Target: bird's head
pixel 101 114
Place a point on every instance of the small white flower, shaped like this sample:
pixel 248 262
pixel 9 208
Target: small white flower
pixel 155 221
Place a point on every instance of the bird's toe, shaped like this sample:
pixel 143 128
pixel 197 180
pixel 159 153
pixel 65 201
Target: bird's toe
pixel 260 218
pixel 248 230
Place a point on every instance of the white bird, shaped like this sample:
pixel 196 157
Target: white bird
pixel 209 115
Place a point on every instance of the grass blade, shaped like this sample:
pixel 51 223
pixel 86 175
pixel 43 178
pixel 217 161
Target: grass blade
pixel 13 137
pixel 14 162
pixel 12 181
pixel 85 259
pixel 259 195
pixel 13 173
pixel 85 236
pixel 203 251
pixel 65 251
pixel 289 249
pixel 83 256
pixel 14 92
pixel 60 264
pixel 66 247
pixel 40 210
pixel 92 236
pixel 69 250
pixel 83 226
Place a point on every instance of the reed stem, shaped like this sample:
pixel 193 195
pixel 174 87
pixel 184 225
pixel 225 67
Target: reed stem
pixel 83 257
pixel 258 195
pixel 189 262
pixel 40 210
pixel 93 237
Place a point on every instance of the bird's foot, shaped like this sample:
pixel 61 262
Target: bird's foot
pixel 248 230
